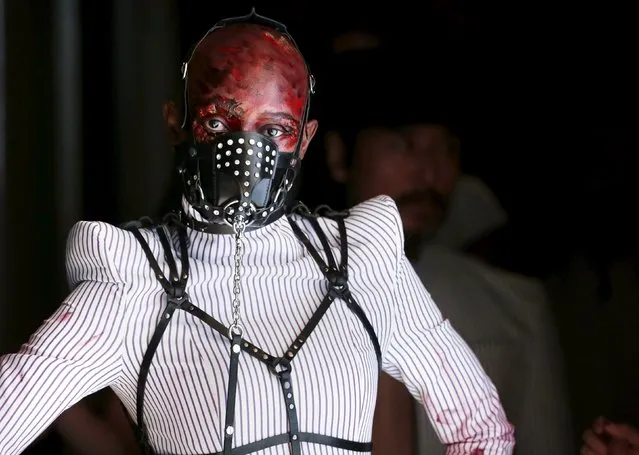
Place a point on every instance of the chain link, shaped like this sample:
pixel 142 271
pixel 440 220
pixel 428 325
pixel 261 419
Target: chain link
pixel 239 225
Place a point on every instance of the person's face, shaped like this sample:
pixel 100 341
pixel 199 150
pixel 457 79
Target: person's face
pixel 246 78
pixel 417 166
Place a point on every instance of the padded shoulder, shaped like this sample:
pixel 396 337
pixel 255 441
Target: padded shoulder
pixel 92 252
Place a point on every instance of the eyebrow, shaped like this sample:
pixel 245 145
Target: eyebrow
pixel 281 116
pixel 228 106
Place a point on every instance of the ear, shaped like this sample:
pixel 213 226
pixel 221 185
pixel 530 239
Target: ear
pixel 336 156
pixel 173 122
pixel 309 132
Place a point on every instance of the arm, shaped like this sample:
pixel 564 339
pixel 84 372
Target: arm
pixel 74 353
pixel 89 434
pixel 394 429
pixel 442 373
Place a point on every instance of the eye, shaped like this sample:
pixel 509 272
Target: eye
pixel 214 125
pixel 273 132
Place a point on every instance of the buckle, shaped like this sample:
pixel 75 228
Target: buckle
pixel 280 367
pixel 178 298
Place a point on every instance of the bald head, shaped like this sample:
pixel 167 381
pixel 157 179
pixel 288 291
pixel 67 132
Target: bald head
pixel 247 77
pixel 247 57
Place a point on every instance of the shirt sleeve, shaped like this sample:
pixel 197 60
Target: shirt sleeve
pixel 75 352
pixel 442 373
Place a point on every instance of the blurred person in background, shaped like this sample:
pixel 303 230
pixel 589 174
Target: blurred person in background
pixel 259 269
pixel 395 148
pixel 596 289
pixel 609 438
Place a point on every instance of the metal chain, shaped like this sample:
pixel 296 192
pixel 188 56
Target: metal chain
pixel 239 225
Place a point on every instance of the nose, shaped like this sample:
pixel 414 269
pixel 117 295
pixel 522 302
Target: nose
pixel 426 168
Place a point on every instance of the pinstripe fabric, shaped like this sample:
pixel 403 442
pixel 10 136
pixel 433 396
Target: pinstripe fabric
pixel 98 336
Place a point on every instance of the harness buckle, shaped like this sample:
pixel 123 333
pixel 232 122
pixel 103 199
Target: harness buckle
pixel 338 281
pixel 280 367
pixel 178 297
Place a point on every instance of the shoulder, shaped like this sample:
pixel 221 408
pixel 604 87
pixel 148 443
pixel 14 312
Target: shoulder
pixel 98 251
pixel 373 228
pixel 376 222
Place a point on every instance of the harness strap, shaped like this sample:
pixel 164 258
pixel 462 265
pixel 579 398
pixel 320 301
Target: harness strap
pixel 175 288
pixel 337 277
pixel 231 393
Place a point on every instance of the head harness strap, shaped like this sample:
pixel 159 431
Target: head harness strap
pixel 252 18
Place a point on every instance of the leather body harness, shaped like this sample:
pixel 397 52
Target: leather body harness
pixel 175 286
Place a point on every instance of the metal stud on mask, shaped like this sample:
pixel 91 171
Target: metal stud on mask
pixel 237 173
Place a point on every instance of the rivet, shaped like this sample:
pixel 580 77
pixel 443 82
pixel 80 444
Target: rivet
pixel 229 430
pixel 238 150
pixel 259 144
pixel 247 162
pixel 220 145
pixel 236 348
pixel 289 395
pixel 252 141
pixel 254 349
pixel 287 385
pixel 230 142
pixel 228 153
pixel 218 156
pixel 290 354
pixel 240 141
pixel 291 406
pixel 237 162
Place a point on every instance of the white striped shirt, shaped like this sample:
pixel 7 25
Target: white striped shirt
pixel 98 336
